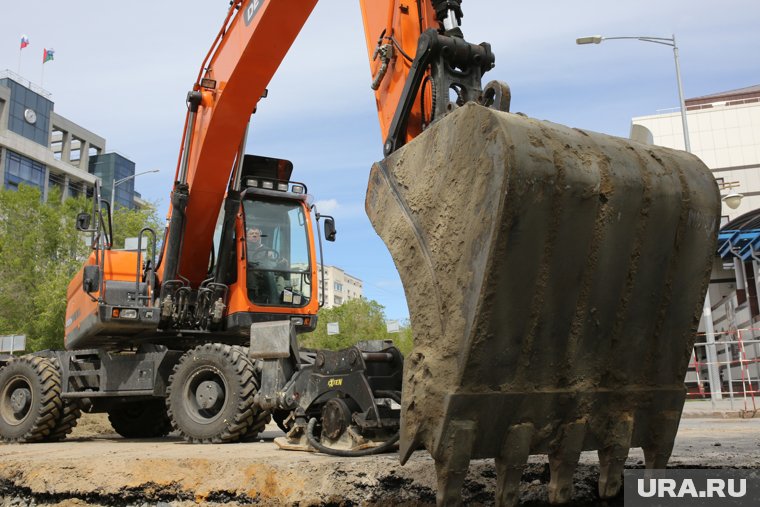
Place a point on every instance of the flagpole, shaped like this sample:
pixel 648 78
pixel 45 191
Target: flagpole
pixel 18 70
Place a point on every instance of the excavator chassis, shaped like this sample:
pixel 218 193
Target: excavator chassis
pixel 555 279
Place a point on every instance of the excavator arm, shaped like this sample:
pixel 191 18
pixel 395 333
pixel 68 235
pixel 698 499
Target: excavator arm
pixel 242 60
pixel 417 56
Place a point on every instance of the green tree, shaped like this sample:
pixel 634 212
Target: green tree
pixel 40 253
pixel 127 223
pixel 358 320
pixel 404 339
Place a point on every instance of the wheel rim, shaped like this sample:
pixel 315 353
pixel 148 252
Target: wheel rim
pixel 16 400
pixel 205 395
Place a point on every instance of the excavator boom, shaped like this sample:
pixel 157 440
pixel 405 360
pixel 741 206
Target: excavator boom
pixel 242 60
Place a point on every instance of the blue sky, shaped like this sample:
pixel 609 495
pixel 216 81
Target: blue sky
pixel 122 70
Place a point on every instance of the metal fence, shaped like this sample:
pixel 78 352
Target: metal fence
pixel 728 368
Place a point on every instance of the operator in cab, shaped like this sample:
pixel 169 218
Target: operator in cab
pixel 266 285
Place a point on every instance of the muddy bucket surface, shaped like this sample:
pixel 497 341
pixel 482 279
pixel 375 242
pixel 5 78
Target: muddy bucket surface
pixel 555 279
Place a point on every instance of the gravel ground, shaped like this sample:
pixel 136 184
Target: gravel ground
pixel 96 467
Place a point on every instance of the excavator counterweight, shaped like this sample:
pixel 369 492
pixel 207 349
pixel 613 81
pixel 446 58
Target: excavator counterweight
pixel 555 279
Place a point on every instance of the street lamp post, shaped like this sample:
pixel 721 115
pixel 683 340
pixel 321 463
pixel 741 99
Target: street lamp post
pixel 116 183
pixel 667 41
pixel 713 371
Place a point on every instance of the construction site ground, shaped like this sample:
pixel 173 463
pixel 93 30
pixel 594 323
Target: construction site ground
pixel 97 467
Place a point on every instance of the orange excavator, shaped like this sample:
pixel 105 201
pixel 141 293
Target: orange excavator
pixel 560 321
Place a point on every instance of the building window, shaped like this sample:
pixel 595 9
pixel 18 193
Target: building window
pixel 338 287
pixel 19 169
pixel 337 300
pixel 75 189
pixel 22 123
pixel 55 181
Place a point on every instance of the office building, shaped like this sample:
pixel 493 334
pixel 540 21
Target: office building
pixel 40 148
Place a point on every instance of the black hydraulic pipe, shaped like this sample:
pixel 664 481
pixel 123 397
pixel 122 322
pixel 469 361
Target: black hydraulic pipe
pixel 226 241
pixel 384 447
pixel 180 196
pixel 377 357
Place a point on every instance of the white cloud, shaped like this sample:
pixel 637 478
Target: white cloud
pixel 341 211
pixel 328 206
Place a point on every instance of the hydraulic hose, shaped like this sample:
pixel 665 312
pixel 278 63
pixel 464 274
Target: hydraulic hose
pixel 385 446
pixel 343 453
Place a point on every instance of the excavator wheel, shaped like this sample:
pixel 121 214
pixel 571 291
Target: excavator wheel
pixel 68 418
pixel 555 280
pixel 67 421
pixel 260 420
pixel 260 417
pixel 140 419
pixel 210 394
pixel 30 399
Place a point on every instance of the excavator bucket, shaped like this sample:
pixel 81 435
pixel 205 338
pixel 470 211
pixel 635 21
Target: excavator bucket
pixel 555 279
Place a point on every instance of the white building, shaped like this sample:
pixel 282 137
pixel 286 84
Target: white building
pixel 724 131
pixel 339 286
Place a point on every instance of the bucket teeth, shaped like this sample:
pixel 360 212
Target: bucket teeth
pixel 612 457
pixel 511 462
pixel 564 460
pixel 662 437
pixel 452 462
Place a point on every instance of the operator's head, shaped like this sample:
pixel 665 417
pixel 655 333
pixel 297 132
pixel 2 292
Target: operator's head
pixel 254 235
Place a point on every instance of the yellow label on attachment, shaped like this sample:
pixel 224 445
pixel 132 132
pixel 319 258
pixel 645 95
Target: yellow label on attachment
pixel 334 382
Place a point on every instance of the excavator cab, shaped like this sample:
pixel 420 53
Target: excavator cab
pixel 277 251
pixel 267 255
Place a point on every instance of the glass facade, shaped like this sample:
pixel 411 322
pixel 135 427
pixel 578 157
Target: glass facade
pixel 112 167
pixel 29 113
pixel 22 170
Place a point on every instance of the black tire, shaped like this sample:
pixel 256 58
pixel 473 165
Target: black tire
pixel 260 417
pixel 30 399
pixel 210 394
pixel 140 419
pixel 67 421
pixel 68 418
pixel 260 420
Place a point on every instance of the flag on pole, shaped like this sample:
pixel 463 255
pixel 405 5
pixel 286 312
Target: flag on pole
pixel 47 55
pixel 24 41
